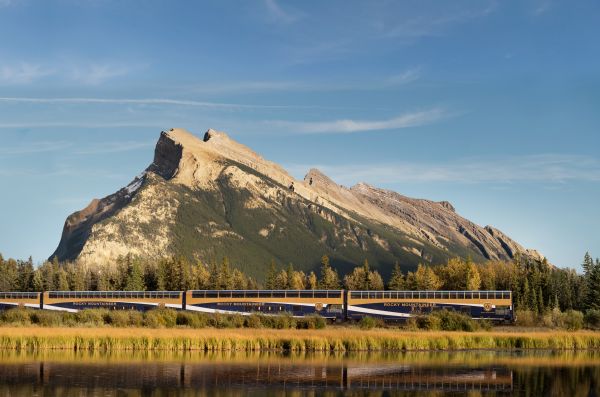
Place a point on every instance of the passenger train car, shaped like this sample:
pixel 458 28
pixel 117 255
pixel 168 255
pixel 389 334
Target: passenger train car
pixel 73 301
pixel 10 300
pixel 335 305
pixel 327 303
pixel 396 305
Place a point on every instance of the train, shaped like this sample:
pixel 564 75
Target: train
pixel 333 305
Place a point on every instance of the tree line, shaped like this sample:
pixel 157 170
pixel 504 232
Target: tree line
pixel 537 286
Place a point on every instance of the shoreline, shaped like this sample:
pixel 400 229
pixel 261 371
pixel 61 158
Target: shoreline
pixel 326 340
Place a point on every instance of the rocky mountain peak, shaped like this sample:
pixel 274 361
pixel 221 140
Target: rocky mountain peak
pixel 211 195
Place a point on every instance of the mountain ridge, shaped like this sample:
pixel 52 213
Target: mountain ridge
pixel 210 196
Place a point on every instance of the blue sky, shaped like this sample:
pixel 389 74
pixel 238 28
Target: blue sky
pixel 492 105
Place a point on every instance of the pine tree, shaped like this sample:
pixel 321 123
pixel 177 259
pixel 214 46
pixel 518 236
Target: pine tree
pixel 25 272
pixel 329 276
pixel 135 277
pixel 271 276
pixel 367 275
pixel 592 300
pixel 397 282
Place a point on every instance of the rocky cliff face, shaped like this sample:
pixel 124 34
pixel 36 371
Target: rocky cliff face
pixel 213 197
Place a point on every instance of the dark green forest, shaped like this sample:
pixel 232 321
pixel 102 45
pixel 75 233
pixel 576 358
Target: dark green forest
pixel 539 288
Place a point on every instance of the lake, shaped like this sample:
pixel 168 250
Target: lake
pixel 472 373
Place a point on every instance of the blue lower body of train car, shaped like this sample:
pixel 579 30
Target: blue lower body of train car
pixel 335 312
pixel 393 311
pixel 116 305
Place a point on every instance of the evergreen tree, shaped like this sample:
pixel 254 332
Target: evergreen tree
pixel 213 278
pixel 592 299
pixel 135 276
pixel 329 276
pixel 271 279
pixel 397 282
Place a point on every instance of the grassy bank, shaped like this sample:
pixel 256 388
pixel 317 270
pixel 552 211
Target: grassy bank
pixel 339 339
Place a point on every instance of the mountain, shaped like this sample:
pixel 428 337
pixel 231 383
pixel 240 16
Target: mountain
pixel 214 197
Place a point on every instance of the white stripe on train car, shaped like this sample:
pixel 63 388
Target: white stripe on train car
pixel 207 310
pixel 373 311
pixel 57 308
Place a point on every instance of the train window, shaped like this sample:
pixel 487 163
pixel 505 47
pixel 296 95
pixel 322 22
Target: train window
pixel 430 295
pixel 292 294
pixel 468 295
pixel 320 294
pixel 306 294
pixel 506 295
pixel 264 294
pixel 224 294
pixel 198 294
pixel 278 294
pixel 237 294
pixel 354 295
pixel 251 294
pixel 211 294
pixel 484 295
pixel 452 295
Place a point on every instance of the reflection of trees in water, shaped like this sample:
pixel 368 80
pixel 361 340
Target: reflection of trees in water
pixel 573 381
pixel 229 374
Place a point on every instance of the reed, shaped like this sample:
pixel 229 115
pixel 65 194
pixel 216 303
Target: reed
pixel 327 340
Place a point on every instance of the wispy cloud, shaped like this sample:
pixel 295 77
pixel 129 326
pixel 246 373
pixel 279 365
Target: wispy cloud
pixel 280 15
pixel 142 101
pixel 544 168
pixel 401 78
pixel 115 147
pixel 23 73
pixel 430 25
pixel 96 74
pixel 34 148
pixel 351 126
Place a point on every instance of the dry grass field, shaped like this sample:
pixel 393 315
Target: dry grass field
pixel 332 339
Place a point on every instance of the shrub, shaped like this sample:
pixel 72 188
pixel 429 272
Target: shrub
pixel 449 320
pixel 93 317
pixel 192 320
pixel 573 320
pixel 160 318
pixel 368 322
pixel 592 319
pixel 526 318
pixel 253 321
pixel 46 318
pixel 17 316
pixel 311 322
pixel 433 323
pixel 118 318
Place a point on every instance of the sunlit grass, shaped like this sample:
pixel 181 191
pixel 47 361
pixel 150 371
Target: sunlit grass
pixel 333 339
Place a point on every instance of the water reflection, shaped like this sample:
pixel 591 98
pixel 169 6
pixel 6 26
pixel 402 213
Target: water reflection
pixel 474 373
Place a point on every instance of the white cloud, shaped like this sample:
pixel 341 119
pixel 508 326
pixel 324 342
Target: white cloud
pixel 23 73
pixel 280 15
pixel 96 74
pixel 34 148
pixel 405 77
pixel 349 126
pixel 115 147
pixel 544 168
pixel 138 101
pixel 431 24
